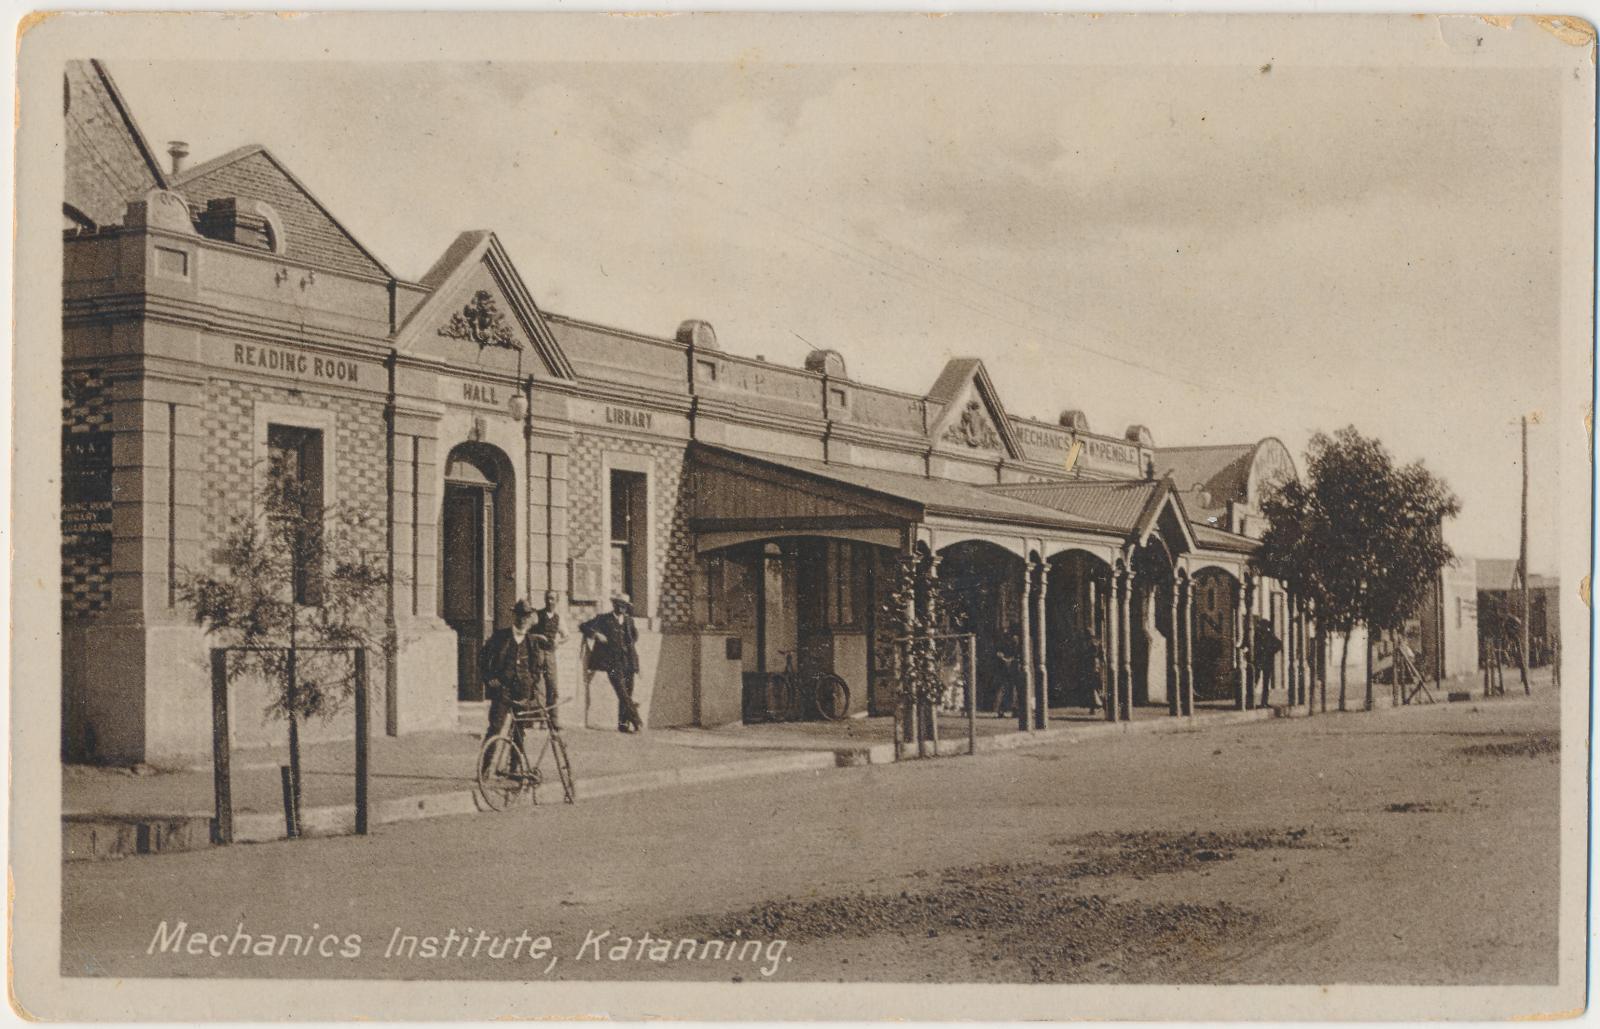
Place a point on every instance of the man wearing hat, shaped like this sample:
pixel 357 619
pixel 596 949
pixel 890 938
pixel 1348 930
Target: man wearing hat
pixel 512 664
pixel 613 638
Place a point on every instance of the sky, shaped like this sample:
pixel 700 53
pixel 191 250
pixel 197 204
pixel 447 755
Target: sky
pixel 1220 252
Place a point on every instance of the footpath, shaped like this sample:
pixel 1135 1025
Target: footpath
pixel 117 812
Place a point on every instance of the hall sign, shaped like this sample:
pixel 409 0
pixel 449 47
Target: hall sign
pixel 486 394
pixel 296 362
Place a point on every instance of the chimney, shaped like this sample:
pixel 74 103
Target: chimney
pixel 177 149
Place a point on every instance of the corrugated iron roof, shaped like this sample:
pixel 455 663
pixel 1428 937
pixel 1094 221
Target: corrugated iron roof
pixel 1222 471
pixel 1115 503
pixel 1217 539
pixel 938 496
pixel 1500 573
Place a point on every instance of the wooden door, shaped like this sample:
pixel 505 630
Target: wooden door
pixel 466 587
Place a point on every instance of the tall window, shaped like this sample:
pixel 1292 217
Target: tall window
pixel 294 457
pixel 629 524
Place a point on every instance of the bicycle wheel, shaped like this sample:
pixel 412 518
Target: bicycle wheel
pixel 831 696
pixel 502 772
pixel 569 785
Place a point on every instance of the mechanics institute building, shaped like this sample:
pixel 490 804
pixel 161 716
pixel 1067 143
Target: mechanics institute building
pixel 215 314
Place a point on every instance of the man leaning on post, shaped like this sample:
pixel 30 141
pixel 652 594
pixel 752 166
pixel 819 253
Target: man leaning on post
pixel 614 639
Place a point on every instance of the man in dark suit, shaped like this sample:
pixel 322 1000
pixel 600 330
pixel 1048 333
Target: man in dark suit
pixel 547 623
pixel 1267 646
pixel 614 641
pixel 512 664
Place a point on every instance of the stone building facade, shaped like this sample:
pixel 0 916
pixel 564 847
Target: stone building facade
pixel 755 513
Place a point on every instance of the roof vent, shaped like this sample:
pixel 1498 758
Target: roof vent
pixel 177 150
pixel 1075 420
pixel 826 362
pixel 1140 435
pixel 698 334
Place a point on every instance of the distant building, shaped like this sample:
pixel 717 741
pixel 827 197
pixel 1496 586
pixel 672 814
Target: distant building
pixel 1447 626
pixel 1500 609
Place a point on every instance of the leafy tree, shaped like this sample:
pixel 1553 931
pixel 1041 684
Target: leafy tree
pixel 294 592
pixel 1361 537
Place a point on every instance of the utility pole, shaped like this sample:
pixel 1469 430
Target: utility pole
pixel 1522 561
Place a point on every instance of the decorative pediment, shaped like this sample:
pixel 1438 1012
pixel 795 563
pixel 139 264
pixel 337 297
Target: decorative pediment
pixel 480 321
pixel 479 313
pixel 970 414
pixel 973 428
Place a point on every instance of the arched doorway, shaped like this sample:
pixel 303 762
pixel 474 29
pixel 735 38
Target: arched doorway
pixel 1216 651
pixel 478 577
pixel 986 580
pixel 1077 605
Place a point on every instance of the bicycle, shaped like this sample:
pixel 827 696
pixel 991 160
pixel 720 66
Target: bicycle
pixel 790 696
pixel 504 772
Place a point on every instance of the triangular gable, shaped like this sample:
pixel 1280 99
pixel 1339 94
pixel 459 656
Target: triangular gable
pixel 1165 512
pixel 972 417
pixel 315 236
pixel 480 313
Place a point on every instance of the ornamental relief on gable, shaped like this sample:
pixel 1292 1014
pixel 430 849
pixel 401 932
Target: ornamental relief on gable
pixel 973 429
pixel 481 322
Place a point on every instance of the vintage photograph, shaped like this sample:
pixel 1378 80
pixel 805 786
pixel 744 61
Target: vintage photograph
pixel 1044 508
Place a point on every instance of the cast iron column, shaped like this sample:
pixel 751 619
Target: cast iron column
pixel 1041 709
pixel 1025 708
pixel 1240 651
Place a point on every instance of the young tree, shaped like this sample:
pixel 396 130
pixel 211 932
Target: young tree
pixel 1360 537
pixel 293 593
pixel 918 611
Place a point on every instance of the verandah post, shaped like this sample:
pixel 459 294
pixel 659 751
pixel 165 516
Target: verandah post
pixel 221 767
pixel 361 740
pixel 972 693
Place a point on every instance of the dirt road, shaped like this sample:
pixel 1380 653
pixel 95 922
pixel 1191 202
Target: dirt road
pixel 1414 847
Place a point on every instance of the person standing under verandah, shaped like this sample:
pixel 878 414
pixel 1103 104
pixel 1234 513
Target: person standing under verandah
pixel 1008 658
pixel 1267 646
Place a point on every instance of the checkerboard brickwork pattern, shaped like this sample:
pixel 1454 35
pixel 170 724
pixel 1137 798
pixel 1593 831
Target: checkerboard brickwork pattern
pixel 229 453
pixel 85 572
pixel 672 550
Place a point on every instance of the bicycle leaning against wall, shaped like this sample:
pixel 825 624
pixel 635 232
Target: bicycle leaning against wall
pixel 792 696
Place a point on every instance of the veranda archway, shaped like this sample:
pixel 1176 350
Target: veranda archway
pixel 1216 638
pixel 1150 623
pixel 985 580
pixel 1077 608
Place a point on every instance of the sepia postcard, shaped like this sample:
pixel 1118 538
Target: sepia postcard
pixel 802 516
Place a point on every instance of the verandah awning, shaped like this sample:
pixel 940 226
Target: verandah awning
pixel 743 494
